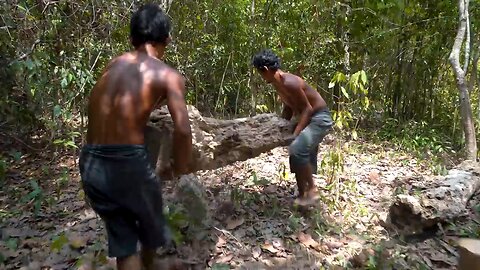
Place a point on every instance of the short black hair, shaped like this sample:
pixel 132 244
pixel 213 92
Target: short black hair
pixel 149 24
pixel 266 58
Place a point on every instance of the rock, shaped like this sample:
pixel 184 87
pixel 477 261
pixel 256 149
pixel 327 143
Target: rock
pixel 192 195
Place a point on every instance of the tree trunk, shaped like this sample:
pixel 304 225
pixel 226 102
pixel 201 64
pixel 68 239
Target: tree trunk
pixel 216 143
pixel 460 75
pixel 423 202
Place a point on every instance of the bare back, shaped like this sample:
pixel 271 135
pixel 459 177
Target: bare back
pixel 294 83
pixel 123 98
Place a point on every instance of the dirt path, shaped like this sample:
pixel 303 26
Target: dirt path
pixel 251 223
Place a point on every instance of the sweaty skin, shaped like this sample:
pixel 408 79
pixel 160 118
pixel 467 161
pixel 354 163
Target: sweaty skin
pixel 298 98
pixel 131 86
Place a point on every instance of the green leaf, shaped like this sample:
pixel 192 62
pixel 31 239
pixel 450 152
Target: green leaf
pixel 366 102
pixel 71 144
pixel 70 77
pixel 12 243
pixel 220 266
pixel 16 155
pixel 363 77
pixel 59 242
pixel 354 135
pixel 29 63
pixel 64 83
pixel 344 91
pixel 58 141
pixel 342 77
pixel 331 84
pixel 57 110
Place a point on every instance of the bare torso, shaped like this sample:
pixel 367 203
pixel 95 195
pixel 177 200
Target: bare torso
pixel 123 98
pixel 314 98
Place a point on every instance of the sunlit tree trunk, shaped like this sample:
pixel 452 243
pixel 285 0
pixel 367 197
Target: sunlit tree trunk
pixel 463 33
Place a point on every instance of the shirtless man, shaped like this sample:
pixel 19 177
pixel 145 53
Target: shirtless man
pixel 117 178
pixel 314 121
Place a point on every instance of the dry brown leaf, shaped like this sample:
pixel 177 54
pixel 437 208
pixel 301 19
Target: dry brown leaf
pixel 224 259
pixel 374 176
pixel 256 252
pixel 92 224
pixel 334 244
pixel 234 223
pixel 442 257
pixel 220 242
pixel 307 240
pixel 271 189
pixel 362 258
pixel 269 247
pixel 277 243
pixel 77 242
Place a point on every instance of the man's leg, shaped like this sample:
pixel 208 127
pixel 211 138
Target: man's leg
pixel 148 258
pixel 313 159
pixel 300 163
pixel 129 263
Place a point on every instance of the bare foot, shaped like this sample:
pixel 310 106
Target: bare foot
pixel 310 198
pixel 313 194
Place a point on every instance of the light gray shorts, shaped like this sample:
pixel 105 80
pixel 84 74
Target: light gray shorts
pixel 304 148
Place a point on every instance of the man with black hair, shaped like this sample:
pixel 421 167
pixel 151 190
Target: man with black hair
pixel 314 121
pixel 117 177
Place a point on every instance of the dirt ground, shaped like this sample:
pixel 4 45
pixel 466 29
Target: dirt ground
pixel 251 223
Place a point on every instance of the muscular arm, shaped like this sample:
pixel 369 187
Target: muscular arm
pixel 182 135
pixel 287 112
pixel 295 87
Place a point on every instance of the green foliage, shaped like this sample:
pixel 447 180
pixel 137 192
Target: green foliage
pixel 62 182
pixel 69 141
pixel 255 180
pixel 55 51
pixel 3 170
pixel 419 137
pixel 220 266
pixel 353 101
pixel 34 197
pixel 58 242
pixel 176 220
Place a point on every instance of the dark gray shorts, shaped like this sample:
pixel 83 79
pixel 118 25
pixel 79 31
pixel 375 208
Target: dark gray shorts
pixel 124 190
pixel 304 148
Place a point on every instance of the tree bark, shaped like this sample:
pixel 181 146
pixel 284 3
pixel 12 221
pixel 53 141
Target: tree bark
pixel 462 85
pixel 216 143
pixel 422 202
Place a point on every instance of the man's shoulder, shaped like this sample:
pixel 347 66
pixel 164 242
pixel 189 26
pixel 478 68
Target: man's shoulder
pixel 292 80
pixel 163 68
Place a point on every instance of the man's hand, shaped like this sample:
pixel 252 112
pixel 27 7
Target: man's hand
pixel 166 174
pixel 171 173
pixel 291 138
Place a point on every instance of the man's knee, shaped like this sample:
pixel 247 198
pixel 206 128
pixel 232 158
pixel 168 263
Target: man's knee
pixel 299 153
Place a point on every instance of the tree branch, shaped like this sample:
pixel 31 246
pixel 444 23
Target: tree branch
pixel 25 55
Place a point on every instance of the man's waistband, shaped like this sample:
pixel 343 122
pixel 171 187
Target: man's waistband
pixel 120 150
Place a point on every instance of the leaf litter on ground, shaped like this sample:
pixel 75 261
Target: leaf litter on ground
pixel 344 229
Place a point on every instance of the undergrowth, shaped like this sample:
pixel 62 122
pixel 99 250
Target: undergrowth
pixel 429 144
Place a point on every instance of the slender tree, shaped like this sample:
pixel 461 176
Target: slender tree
pixel 463 35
